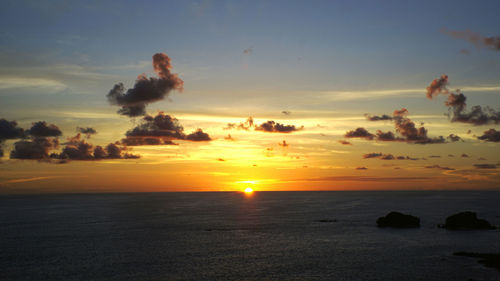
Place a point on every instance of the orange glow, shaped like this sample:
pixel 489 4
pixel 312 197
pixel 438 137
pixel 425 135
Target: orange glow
pixel 248 190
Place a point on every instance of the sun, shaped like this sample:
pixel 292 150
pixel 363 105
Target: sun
pixel 248 190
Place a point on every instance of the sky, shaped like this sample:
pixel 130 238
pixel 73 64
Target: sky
pixel 128 96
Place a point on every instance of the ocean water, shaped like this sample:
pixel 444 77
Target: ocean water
pixel 231 236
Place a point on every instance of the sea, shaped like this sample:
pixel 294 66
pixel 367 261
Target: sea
pixel 234 236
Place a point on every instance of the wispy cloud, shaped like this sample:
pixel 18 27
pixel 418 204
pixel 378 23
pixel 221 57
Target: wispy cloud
pixel 376 94
pixel 21 180
pixel 9 82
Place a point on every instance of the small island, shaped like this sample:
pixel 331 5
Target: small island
pixel 466 221
pixel 398 220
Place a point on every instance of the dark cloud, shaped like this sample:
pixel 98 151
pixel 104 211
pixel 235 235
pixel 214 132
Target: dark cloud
pixel 378 118
pixel 274 127
pixel 435 156
pixel 454 138
pixel 464 155
pixel 37 148
pixel 344 142
pixel 475 38
pixel 198 135
pixel 439 167
pixel 491 135
pixel 404 126
pixel 10 130
pixel 78 149
pixel 456 102
pixel 161 125
pixel 481 158
pixel 372 155
pixel 41 129
pixel 437 86
pixel 137 141
pixel 286 112
pixel 476 116
pixel 451 155
pixel 388 136
pixel 220 159
pixel 283 144
pixel 161 129
pixel 229 137
pixel 485 166
pixel 359 133
pixel 86 131
pixel 269 126
pixel 407 129
pixel 247 125
pixel 387 156
pixel 146 90
pixel 361 168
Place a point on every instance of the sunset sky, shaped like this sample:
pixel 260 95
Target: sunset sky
pixel 317 70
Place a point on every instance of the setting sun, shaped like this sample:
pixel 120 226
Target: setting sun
pixel 248 190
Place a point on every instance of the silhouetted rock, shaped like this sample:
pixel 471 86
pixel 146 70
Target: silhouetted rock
pixel 489 260
pixel 466 220
pixel 399 220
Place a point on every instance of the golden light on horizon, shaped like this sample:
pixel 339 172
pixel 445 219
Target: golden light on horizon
pixel 248 190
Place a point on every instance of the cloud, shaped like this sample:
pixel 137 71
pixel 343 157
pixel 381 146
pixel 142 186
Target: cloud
pixel 274 127
pixel 359 133
pixel 161 125
pixel 38 148
pixel 464 155
pixel 344 142
pixel 387 156
pixel 437 86
pixel 198 135
pixel 146 90
pixel 78 149
pixel 476 116
pixel 456 102
pixel 439 167
pixel 229 137
pixel 404 126
pixel 269 126
pixel 220 159
pixel 283 144
pixel 475 38
pixel 485 166
pixel 367 179
pixel 383 117
pixel 490 135
pixel 247 125
pixel 161 130
pixel 86 131
pixel 137 141
pixel 286 112
pixel 435 156
pixel 454 138
pixel 372 155
pixel 361 168
pixel 407 128
pixel 10 130
pixel 41 129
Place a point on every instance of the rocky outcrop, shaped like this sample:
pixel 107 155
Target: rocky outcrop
pixel 466 220
pixel 398 220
